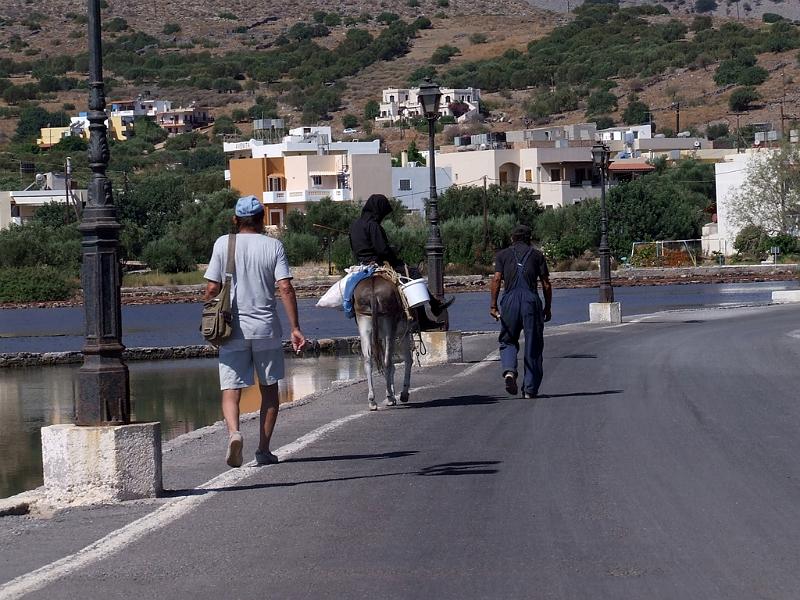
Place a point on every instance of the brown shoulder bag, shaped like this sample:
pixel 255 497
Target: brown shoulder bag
pixel 216 324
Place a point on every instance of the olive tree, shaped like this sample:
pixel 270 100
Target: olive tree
pixel 770 194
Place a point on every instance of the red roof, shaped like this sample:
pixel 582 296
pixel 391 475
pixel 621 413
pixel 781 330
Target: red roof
pixel 630 167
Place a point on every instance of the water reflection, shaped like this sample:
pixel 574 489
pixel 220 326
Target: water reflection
pixel 182 394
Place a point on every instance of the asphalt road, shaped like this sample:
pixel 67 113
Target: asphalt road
pixel 660 463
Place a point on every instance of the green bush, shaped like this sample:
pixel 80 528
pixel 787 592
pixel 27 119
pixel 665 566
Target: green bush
pixel 752 241
pixel 341 255
pixel 771 17
pixel 703 6
pixel 34 284
pixel 387 17
pixel 349 121
pixel 38 244
pixel 302 248
pixel 170 28
pixel 168 255
pixel 443 54
pixel 741 98
pixel 115 25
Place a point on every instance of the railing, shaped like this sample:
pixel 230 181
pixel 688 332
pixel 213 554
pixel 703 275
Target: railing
pixel 338 195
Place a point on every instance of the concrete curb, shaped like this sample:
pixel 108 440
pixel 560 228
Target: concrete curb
pixel 326 346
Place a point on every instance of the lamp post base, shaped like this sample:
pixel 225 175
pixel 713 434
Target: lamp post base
pixel 605 312
pixel 101 465
pixel 441 347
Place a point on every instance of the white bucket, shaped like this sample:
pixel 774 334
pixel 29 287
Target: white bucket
pixel 416 292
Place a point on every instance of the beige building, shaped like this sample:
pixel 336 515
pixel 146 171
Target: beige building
pixel 560 176
pixel 307 166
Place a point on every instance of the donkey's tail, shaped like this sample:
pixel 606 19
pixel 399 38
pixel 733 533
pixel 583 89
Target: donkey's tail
pixel 377 346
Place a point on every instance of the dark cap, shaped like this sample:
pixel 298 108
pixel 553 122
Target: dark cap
pixel 522 232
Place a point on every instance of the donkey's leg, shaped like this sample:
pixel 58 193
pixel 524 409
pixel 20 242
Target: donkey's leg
pixel 365 332
pixel 408 362
pixel 387 331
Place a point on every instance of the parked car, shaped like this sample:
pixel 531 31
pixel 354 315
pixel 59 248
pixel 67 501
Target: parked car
pixel 350 130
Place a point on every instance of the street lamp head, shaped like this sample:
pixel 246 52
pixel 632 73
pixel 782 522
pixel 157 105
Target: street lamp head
pixel 600 155
pixel 429 97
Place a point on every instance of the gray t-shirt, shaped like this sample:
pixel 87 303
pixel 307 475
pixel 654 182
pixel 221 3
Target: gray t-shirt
pixel 260 262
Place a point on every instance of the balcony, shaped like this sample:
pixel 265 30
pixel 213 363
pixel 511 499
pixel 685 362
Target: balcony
pixel 302 196
pixel 562 193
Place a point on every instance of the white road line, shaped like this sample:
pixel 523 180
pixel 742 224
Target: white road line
pixel 174 509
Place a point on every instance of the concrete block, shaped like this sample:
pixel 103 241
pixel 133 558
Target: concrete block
pixel 442 347
pixel 98 465
pixel 605 312
pixel 786 296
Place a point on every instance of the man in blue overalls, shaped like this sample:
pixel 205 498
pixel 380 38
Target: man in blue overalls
pixel 521 267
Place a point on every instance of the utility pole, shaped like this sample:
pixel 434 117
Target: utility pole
pixel 485 217
pixel 677 106
pixel 783 99
pixel 738 132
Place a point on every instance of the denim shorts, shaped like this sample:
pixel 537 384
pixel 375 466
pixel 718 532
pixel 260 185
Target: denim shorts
pixel 239 359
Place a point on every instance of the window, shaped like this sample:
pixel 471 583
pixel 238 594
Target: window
pixel 275 184
pixel 405 185
pixel 528 175
pixel 316 180
pixel 555 174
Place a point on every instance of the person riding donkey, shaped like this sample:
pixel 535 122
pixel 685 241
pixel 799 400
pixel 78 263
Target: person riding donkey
pixel 370 246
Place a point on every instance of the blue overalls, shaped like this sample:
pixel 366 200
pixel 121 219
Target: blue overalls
pixel 521 309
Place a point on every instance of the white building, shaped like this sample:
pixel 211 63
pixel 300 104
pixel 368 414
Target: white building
pixel 398 103
pixel 411 183
pixel 18 207
pixel 524 138
pixel 637 132
pixel 730 175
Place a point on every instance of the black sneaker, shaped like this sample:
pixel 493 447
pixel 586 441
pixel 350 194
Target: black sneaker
pixel 511 383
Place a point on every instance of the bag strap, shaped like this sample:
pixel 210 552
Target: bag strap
pixel 230 266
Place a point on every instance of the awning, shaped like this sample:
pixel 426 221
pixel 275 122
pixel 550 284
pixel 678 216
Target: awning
pixel 630 167
pixel 40 199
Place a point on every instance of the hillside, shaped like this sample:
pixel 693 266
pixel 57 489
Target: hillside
pixel 230 54
pixel 724 8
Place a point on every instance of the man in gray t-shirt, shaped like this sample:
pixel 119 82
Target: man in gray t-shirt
pixel 255 344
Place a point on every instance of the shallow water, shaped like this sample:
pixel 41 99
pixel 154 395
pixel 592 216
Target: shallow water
pixel 183 395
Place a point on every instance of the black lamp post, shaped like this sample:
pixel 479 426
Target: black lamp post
pixel 429 98
pixel 104 395
pixel 600 156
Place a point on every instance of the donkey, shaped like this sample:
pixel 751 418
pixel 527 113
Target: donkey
pixel 382 322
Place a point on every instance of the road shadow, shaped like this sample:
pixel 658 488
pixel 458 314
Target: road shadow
pixel 577 356
pixel 480 467
pixel 474 467
pixel 382 455
pixel 471 400
pixel 578 394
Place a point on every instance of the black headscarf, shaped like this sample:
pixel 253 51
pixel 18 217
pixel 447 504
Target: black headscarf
pixel 377 207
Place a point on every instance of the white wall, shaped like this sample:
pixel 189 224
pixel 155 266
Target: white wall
pixel 730 175
pixel 419 181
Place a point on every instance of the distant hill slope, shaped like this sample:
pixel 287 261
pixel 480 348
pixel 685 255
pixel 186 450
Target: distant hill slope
pixel 239 33
pixel 725 8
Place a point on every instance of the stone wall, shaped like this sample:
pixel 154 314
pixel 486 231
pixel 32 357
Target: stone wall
pixel 327 346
